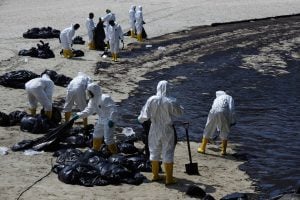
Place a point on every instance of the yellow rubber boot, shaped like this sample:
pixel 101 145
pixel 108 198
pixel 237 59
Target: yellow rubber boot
pixel 48 114
pixel 113 148
pixel 116 57
pixel 32 111
pixel 85 122
pixel 139 37
pixel 67 53
pixel 223 148
pixel 202 148
pixel 112 56
pixel 67 116
pixel 155 170
pixel 91 46
pixel 132 33
pixel 97 142
pixel 169 174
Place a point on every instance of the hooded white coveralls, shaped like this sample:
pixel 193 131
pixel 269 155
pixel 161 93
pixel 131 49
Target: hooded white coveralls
pixel 76 92
pixel 221 116
pixel 90 26
pixel 66 37
pixel 132 18
pixel 160 109
pixel 115 34
pixel 139 20
pixel 40 90
pixel 105 107
pixel 106 18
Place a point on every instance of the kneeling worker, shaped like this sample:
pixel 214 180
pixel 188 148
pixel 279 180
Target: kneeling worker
pixel 105 107
pixel 66 37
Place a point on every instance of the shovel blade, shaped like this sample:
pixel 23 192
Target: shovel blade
pixel 192 169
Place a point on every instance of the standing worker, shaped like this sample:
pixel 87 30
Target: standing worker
pixel 106 18
pixel 132 20
pixel 105 107
pixel 90 26
pixel 66 40
pixel 76 94
pixel 139 23
pixel 221 116
pixel 40 90
pixel 115 34
pixel 161 109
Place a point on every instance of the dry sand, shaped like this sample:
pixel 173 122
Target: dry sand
pixel 218 175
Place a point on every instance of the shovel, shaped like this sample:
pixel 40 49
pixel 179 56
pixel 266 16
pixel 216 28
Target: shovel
pixel 190 168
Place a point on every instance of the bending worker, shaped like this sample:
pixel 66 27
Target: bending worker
pixel 161 109
pixel 132 20
pixel 40 90
pixel 139 20
pixel 66 40
pixel 105 107
pixel 221 116
pixel 90 26
pixel 115 34
pixel 76 94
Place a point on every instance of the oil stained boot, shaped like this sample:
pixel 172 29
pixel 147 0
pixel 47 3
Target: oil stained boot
pixel 223 148
pixel 202 148
pixel 67 116
pixel 97 142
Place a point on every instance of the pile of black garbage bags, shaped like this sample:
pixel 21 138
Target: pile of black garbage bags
pixel 42 33
pixel 17 79
pixel 42 51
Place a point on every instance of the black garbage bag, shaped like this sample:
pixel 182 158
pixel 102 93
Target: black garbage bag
pixel 69 157
pixel 57 168
pixel 144 34
pixel 50 140
pixel 87 173
pixel 78 53
pixel 4 119
pixel 15 117
pixel 76 141
pixel 118 159
pixel 58 79
pixel 23 145
pixel 112 172
pixel 95 160
pixel 44 32
pixel 88 154
pixel 69 175
pixel 32 52
pixel 137 179
pixel 17 79
pixel 44 50
pixel 78 40
pixel 137 163
pixel 36 124
pixel 127 148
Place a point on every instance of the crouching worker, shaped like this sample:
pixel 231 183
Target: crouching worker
pixel 221 116
pixel 105 107
pixel 40 90
pixel 66 37
pixel 76 94
pixel 161 109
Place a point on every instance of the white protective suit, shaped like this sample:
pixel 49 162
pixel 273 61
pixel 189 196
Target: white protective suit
pixel 66 37
pixel 132 18
pixel 40 90
pixel 139 20
pixel 115 34
pixel 105 107
pixel 161 109
pixel 90 26
pixel 221 116
pixel 106 18
pixel 76 92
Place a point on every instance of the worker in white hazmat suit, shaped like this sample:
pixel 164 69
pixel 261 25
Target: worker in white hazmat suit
pixel 161 109
pixel 106 18
pixel 76 94
pixel 221 116
pixel 139 20
pixel 115 34
pixel 90 26
pixel 132 20
pixel 40 90
pixel 66 37
pixel 105 107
